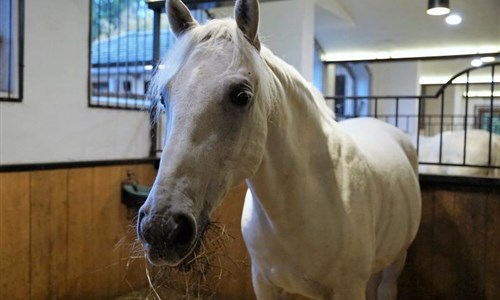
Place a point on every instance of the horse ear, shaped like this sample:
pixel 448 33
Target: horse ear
pixel 179 17
pixel 246 13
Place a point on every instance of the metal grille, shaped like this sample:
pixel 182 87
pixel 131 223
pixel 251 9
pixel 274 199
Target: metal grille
pixel 11 49
pixel 479 112
pixel 125 49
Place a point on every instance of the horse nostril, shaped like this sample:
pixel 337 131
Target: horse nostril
pixel 140 217
pixel 182 232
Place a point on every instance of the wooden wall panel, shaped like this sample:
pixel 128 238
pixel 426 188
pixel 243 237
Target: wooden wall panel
pixel 444 247
pixel 14 236
pixel 455 254
pixel 236 280
pixel 65 235
pixel 107 229
pixel 470 228
pixel 48 234
pixel 132 262
pixel 492 244
pixel 418 262
pixel 81 249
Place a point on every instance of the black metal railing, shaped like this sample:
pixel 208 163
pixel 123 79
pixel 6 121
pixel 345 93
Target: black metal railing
pixel 423 124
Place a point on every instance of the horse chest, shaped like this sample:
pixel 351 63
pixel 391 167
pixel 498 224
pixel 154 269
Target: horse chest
pixel 302 255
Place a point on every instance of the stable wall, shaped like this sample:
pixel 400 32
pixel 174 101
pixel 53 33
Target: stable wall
pixel 64 234
pixel 396 79
pixel 53 122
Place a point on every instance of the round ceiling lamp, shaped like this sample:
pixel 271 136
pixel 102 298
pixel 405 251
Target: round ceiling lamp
pixel 438 7
pixel 453 19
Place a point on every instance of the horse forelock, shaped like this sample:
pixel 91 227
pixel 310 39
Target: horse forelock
pixel 215 34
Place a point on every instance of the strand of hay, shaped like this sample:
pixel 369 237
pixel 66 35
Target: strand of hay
pixel 198 276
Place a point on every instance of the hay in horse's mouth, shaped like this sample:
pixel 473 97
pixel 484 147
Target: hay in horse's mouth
pixel 199 274
pixel 211 241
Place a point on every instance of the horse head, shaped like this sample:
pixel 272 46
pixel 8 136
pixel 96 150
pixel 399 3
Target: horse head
pixel 216 97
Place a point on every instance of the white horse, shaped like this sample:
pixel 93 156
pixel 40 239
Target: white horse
pixel 332 208
pixel 452 152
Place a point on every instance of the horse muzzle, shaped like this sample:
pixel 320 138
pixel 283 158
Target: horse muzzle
pixel 169 238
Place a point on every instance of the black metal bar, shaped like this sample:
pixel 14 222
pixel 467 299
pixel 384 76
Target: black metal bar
pixel 466 115
pixel 72 165
pixel 418 123
pixel 441 129
pixel 460 165
pixel 118 54
pixel 108 77
pixel 376 107
pixel 490 125
pixel 407 123
pixel 122 64
pixel 157 5
pixel 415 58
pixel 20 57
pixel 458 182
pixel 144 36
pixel 98 3
pixel 397 111
pixel 383 97
pixel 10 50
pixel 156 37
pixel 156 58
pixel 137 27
pixel 127 73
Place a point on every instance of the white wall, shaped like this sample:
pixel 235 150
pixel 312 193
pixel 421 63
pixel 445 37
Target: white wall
pixel 397 78
pixel 53 123
pixel 287 28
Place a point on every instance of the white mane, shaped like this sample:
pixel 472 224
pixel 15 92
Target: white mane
pixel 292 81
pixel 219 33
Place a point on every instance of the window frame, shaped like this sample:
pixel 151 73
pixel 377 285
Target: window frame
pixel 133 104
pixel 18 97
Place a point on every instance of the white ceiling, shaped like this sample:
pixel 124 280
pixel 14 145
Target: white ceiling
pixel 349 29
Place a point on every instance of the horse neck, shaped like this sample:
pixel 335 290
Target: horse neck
pixel 298 160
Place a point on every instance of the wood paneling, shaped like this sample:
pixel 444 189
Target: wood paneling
pixel 14 236
pixel 456 252
pixel 132 262
pixel 107 228
pixel 81 247
pixel 236 280
pixel 64 234
pixel 48 234
pixel 492 244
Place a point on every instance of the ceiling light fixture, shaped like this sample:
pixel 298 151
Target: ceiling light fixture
pixel 487 59
pixel 453 19
pixel 438 7
pixel 476 62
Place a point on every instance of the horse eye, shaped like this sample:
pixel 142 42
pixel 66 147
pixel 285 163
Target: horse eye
pixel 241 98
pixel 163 99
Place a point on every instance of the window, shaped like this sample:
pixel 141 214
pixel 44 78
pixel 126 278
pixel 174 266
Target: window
pixel 122 52
pixel 11 49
